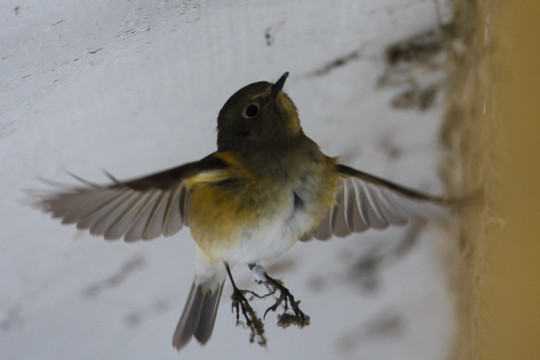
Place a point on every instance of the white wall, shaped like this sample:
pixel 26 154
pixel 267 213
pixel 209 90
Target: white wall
pixel 134 87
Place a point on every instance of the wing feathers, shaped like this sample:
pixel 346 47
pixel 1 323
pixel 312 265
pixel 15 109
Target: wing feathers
pixel 376 219
pixel 137 226
pixel 98 210
pixel 324 230
pixel 143 208
pixel 158 204
pixel 338 218
pixel 363 201
pixel 118 206
pixel 154 224
pixel 124 217
pixel 172 221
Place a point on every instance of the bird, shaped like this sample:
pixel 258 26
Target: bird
pixel 266 187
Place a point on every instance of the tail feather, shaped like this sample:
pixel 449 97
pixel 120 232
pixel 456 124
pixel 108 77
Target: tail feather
pixel 207 318
pixel 199 315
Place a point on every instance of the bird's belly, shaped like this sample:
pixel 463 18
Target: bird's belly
pixel 258 233
pixel 248 221
pixel 265 243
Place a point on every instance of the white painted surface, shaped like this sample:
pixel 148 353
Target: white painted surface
pixel 134 87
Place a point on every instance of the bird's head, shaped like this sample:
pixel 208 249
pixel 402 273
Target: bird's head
pixel 257 115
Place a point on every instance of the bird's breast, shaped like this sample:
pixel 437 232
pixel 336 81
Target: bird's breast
pixel 237 215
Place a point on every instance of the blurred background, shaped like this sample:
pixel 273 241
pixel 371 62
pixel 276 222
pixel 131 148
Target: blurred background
pixel 437 95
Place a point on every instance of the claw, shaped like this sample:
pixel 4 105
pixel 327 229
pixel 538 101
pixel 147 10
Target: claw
pixel 285 298
pixel 240 304
pixel 298 317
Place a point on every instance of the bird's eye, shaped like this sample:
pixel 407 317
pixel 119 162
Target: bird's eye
pixel 251 111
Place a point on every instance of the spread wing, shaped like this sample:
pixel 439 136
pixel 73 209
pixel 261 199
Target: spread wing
pixel 143 208
pixel 364 201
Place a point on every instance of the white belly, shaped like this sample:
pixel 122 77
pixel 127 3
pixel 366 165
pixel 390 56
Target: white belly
pixel 266 243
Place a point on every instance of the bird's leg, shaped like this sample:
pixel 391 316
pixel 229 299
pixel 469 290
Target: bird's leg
pixel 241 304
pixel 285 298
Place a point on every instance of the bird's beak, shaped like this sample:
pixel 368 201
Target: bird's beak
pixel 278 85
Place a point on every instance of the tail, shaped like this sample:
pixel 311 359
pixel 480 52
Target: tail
pixel 199 314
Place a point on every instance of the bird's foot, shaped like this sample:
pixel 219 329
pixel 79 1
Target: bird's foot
pixel 291 315
pixel 240 305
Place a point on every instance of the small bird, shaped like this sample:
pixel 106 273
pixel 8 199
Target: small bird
pixel 267 186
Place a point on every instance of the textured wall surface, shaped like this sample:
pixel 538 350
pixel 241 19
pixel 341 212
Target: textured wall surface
pixel 508 313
